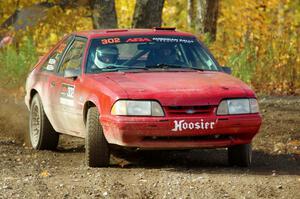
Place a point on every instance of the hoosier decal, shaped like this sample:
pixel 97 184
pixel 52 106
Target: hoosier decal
pixel 183 125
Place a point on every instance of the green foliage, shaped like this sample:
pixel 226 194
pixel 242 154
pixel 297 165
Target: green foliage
pixel 244 63
pixel 15 63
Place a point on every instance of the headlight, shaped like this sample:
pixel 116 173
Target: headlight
pixel 238 106
pixel 137 108
pixel 254 106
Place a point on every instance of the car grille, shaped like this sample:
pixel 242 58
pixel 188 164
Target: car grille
pixel 189 110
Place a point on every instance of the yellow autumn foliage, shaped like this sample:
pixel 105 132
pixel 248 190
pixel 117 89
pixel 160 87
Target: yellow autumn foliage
pixel 259 39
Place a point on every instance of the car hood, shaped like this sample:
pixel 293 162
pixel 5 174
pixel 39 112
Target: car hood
pixel 181 87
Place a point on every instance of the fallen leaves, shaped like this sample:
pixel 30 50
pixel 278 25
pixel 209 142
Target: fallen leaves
pixel 279 148
pixel 44 174
pixel 292 147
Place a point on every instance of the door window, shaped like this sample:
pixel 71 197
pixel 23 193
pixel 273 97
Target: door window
pixel 73 58
pixel 52 61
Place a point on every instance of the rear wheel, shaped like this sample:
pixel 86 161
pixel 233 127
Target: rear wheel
pixel 240 155
pixel 96 147
pixel 42 135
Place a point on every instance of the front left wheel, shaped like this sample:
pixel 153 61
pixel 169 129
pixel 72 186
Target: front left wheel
pixel 42 135
pixel 240 155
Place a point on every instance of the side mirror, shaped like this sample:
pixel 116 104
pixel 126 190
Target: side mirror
pixel 71 73
pixel 227 70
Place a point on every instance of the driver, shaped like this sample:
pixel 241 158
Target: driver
pixel 167 54
pixel 106 56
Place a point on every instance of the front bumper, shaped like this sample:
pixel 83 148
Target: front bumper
pixel 159 132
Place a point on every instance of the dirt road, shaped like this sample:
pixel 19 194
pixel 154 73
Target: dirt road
pixel 275 173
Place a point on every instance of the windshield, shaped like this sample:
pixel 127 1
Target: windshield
pixel 147 53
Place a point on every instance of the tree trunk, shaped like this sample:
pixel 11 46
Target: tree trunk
pixel 147 13
pixel 104 14
pixel 191 13
pixel 207 15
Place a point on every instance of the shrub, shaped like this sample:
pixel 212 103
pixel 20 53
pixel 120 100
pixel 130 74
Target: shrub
pixel 15 63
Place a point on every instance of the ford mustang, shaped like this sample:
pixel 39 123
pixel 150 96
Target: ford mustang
pixel 146 89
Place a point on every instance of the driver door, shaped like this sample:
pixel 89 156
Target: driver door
pixel 68 96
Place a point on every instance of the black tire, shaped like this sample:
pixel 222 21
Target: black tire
pixel 240 155
pixel 41 133
pixel 96 147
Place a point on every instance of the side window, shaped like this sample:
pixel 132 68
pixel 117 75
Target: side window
pixel 73 58
pixel 52 62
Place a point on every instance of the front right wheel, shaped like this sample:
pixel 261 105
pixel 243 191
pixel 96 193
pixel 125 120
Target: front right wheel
pixel 96 147
pixel 240 155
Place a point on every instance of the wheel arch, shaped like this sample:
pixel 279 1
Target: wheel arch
pixel 33 92
pixel 88 104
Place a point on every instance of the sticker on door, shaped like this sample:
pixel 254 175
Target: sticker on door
pixel 67 95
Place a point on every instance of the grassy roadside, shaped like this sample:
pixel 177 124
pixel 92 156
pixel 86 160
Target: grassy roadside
pixel 15 63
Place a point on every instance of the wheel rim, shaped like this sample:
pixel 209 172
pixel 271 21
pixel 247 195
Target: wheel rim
pixel 35 126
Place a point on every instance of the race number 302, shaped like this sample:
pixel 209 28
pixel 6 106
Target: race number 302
pixel 110 40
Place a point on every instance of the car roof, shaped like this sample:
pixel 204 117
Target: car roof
pixel 129 32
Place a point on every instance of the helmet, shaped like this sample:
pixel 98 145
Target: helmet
pixel 167 54
pixel 167 50
pixel 105 56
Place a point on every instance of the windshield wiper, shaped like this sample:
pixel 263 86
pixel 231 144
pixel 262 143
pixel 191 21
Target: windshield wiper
pixel 120 67
pixel 112 68
pixel 166 66
pixel 195 68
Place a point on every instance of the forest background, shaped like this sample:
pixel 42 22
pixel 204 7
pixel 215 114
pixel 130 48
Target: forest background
pixel 259 39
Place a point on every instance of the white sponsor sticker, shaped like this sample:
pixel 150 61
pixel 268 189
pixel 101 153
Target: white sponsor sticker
pixel 70 92
pixel 184 125
pixel 172 40
pixel 67 95
pixel 50 67
pixel 52 61
pixel 66 101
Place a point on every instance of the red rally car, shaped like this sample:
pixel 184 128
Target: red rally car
pixel 145 89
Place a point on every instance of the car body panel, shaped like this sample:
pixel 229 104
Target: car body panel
pixel 66 100
pixel 167 86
